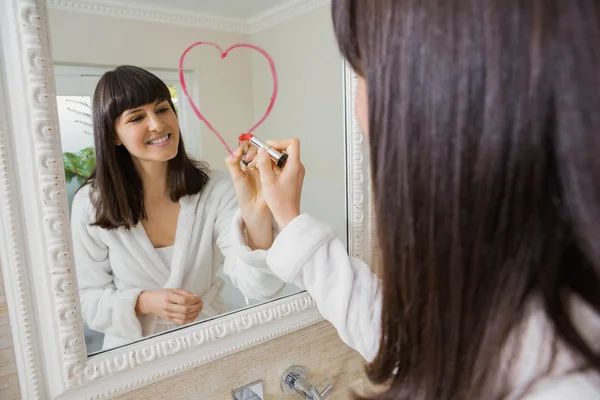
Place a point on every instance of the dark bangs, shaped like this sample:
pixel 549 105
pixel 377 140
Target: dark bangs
pixel 119 199
pixel 343 13
pixel 128 87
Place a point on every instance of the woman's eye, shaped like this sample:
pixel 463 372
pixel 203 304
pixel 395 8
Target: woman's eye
pixel 163 109
pixel 136 119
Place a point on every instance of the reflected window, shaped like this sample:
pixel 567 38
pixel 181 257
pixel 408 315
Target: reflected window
pixel 77 138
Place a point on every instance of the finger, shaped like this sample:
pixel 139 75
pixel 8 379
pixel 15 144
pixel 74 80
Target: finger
pixel 183 319
pixel 175 298
pixel 250 154
pixel 233 165
pixel 265 168
pixel 184 309
pixel 193 300
pixel 245 145
pixel 194 309
pixel 176 308
pixel 190 298
pixel 290 146
pixel 176 317
pixel 183 297
pixel 193 315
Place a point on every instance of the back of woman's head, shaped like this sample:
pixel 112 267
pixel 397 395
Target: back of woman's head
pixel 116 185
pixel 484 130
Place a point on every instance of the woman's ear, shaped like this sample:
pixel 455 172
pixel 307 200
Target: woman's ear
pixel 117 141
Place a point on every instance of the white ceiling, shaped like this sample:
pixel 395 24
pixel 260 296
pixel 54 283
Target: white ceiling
pixel 244 10
pixel 245 16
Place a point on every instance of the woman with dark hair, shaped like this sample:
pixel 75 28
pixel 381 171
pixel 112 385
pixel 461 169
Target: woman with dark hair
pixel 151 227
pixel 484 131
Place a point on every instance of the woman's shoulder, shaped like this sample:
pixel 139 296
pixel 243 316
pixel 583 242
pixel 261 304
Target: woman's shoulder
pixel 539 350
pixel 82 204
pixel 581 385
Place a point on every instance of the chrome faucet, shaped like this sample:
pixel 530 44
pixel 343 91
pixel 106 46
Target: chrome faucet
pixel 294 381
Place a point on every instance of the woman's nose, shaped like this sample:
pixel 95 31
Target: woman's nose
pixel 155 123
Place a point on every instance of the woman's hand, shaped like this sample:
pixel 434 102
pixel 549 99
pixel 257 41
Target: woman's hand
pixel 282 189
pixel 174 305
pixel 248 191
pixel 246 181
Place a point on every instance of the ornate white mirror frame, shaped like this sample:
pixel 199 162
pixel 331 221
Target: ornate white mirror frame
pixel 35 243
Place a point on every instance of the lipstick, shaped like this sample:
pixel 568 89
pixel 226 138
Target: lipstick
pixel 278 158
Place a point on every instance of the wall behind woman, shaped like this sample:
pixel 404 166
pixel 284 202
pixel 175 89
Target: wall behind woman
pixel 310 106
pixel 223 87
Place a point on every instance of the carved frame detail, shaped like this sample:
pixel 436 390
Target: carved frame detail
pixel 35 243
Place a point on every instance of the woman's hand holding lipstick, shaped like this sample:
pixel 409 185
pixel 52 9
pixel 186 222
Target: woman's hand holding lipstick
pixel 248 191
pixel 263 183
pixel 281 188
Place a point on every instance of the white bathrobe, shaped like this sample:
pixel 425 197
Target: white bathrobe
pixel 347 293
pixel 115 266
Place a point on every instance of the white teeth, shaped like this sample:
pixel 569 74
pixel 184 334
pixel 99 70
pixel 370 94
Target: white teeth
pixel 161 140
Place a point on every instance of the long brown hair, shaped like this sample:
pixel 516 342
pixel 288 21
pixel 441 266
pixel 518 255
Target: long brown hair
pixel 484 132
pixel 116 187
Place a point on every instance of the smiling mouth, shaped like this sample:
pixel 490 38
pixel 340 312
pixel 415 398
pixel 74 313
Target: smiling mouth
pixel 161 140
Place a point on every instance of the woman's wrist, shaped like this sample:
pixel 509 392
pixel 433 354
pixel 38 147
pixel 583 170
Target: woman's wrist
pixel 256 216
pixel 285 219
pixel 139 305
pixel 259 229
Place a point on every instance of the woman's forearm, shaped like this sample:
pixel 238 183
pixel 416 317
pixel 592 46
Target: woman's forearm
pixel 259 229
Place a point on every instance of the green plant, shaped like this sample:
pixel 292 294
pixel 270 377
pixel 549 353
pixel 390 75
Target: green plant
pixel 173 92
pixel 79 165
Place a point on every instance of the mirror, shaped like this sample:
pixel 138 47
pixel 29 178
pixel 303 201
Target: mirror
pixel 191 243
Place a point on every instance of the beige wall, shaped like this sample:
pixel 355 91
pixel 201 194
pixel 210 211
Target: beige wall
pixel 310 106
pixel 96 40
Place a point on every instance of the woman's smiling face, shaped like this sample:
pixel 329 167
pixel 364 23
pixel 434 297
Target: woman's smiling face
pixel 149 132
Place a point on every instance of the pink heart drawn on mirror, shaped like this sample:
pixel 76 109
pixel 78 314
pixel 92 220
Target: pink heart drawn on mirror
pixel 224 54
